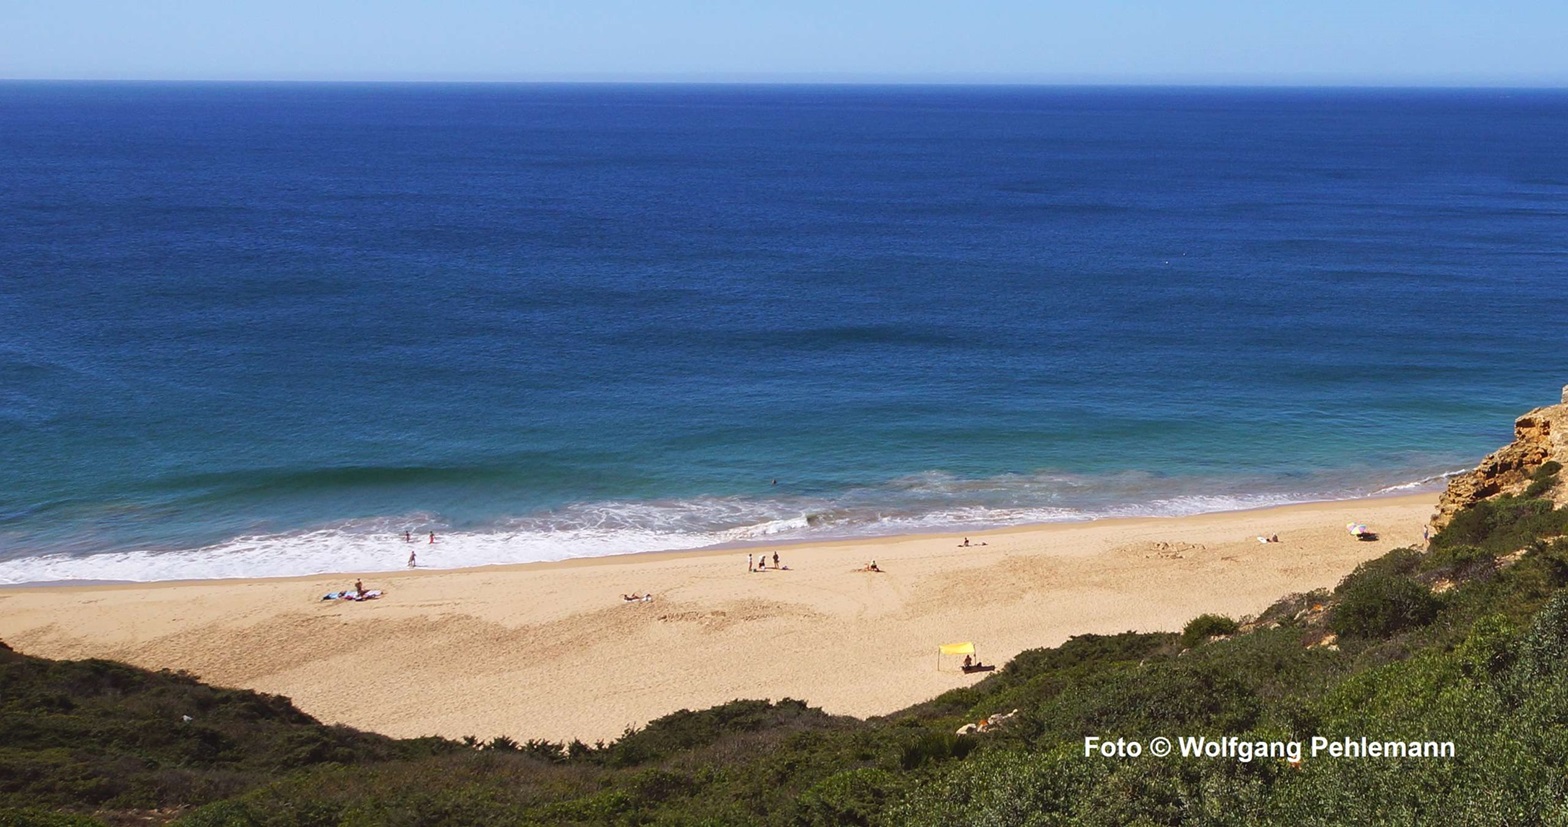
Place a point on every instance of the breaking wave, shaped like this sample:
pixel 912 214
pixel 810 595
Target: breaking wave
pixel 924 503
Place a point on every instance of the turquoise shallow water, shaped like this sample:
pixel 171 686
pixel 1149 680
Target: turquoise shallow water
pixel 265 329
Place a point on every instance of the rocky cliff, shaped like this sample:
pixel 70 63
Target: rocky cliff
pixel 1540 436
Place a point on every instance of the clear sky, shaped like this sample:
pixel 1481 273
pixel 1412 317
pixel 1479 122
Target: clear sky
pixel 1378 42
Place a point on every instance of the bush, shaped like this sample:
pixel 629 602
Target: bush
pixel 1035 676
pixel 1203 627
pixel 656 785
pixel 1543 480
pixel 1460 564
pixel 1543 651
pixel 1503 524
pixel 30 817
pixel 1166 695
pixel 1081 651
pixel 852 797
pixel 1400 561
pixel 1376 604
pixel 1488 650
pixel 935 746
pixel 686 730
pixel 1455 557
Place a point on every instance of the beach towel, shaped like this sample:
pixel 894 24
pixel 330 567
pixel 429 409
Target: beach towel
pixel 369 595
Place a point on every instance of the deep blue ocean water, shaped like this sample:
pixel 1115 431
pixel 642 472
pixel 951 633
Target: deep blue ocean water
pixel 265 329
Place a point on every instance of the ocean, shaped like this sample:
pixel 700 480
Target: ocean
pixel 265 329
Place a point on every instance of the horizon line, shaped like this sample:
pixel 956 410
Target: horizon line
pixel 1519 85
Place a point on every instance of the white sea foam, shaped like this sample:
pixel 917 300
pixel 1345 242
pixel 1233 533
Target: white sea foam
pixel 337 550
pixel 1428 482
pixel 932 502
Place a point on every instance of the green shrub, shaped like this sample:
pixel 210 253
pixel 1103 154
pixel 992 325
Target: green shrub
pixel 1399 561
pixel 1004 789
pixel 852 797
pixel 502 743
pixel 1539 573
pixel 1376 604
pixel 685 729
pixel 1503 524
pixel 1165 695
pixel 1080 651
pixel 656 785
pixel 32 817
pixel 1203 627
pixel 1456 557
pixel 1488 650
pixel 935 746
pixel 1544 479
pixel 1035 676
pixel 1543 651
pixel 229 813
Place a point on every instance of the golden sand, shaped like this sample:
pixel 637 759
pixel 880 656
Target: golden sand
pixel 552 651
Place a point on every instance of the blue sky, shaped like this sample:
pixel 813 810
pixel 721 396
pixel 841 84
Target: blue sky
pixel 1387 42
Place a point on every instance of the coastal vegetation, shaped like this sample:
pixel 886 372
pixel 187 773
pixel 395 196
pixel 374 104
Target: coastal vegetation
pixel 1463 642
pixel 1201 628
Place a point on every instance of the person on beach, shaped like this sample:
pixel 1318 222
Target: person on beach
pixel 965 543
pixel 359 589
pixel 408 537
pixel 775 559
pixel 411 556
pixel 432 537
pixel 750 566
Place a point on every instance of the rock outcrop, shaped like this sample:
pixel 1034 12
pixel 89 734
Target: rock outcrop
pixel 1540 436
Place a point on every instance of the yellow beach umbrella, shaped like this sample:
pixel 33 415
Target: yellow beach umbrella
pixel 965 648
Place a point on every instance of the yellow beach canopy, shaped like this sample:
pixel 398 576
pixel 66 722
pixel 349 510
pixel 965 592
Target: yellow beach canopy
pixel 957 648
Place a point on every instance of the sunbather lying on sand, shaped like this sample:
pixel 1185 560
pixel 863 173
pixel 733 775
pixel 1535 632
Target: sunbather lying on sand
pixel 353 595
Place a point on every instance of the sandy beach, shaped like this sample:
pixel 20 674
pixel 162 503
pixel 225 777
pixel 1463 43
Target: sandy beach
pixel 552 651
